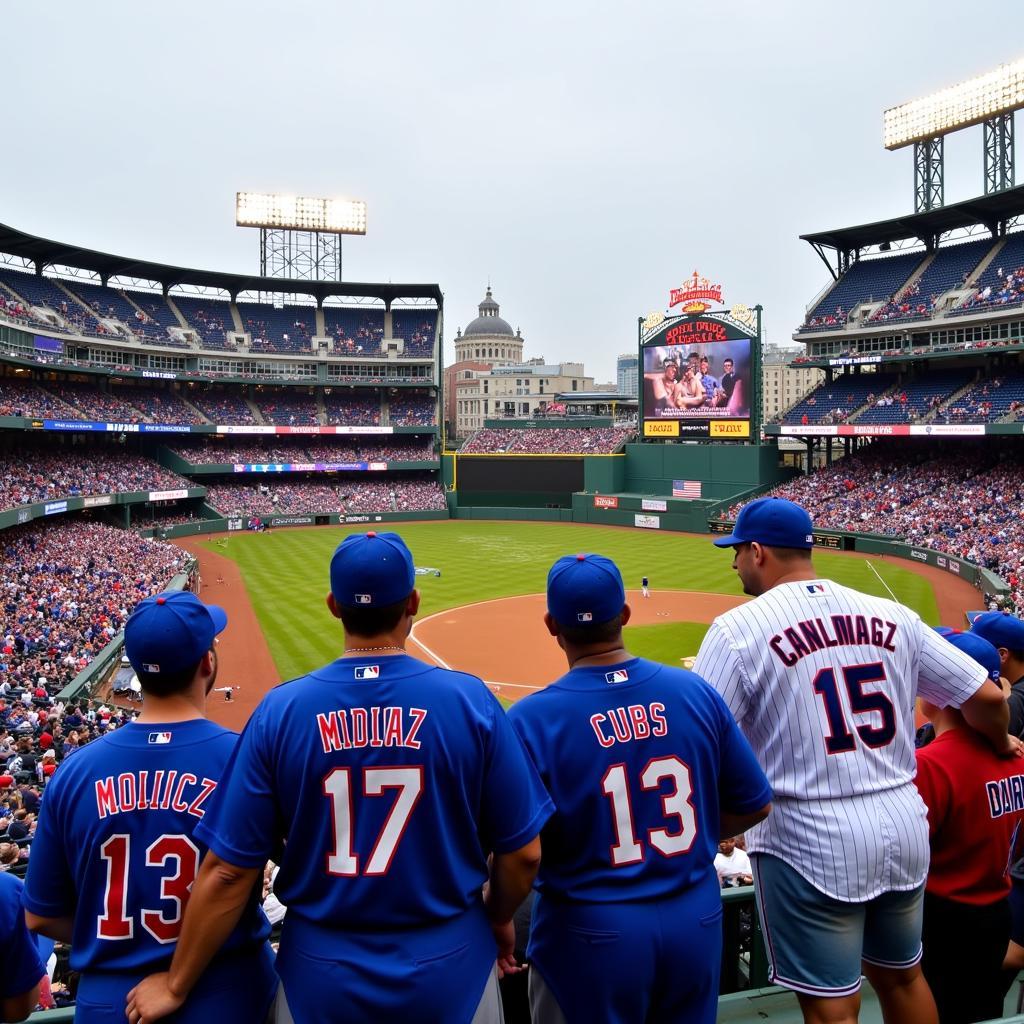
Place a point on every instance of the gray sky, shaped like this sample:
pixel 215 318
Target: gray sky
pixel 584 156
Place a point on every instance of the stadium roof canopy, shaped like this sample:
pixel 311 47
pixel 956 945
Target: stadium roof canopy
pixel 43 252
pixel 991 211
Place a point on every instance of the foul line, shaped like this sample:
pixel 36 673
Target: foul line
pixel 880 580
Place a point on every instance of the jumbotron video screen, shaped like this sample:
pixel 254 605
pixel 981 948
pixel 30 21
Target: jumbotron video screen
pixel 698 379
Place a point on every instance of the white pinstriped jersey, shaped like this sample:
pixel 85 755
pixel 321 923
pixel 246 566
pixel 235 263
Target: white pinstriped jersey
pixel 822 679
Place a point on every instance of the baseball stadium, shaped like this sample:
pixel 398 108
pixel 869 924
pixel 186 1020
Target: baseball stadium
pixel 174 429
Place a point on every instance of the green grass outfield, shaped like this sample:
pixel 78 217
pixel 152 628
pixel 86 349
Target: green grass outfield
pixel 286 573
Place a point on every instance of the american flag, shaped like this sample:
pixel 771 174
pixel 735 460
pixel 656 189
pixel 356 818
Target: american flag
pixel 686 488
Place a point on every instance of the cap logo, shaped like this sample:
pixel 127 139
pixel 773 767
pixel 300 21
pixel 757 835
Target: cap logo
pixel 148 666
pixel 159 737
pixel 809 538
pixel 364 598
pixel 368 672
pixel 584 616
pixel 620 675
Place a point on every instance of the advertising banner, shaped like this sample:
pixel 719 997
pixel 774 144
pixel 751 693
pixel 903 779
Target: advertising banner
pixel 168 495
pixel 654 505
pixel 647 522
pixel 606 501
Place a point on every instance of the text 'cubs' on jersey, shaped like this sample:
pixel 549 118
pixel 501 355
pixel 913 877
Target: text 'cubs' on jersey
pixel 655 755
pixel 823 680
pixel 116 848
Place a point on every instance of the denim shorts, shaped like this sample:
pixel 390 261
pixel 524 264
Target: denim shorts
pixel 816 944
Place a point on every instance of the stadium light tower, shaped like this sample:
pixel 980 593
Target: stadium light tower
pixel 300 237
pixel 989 100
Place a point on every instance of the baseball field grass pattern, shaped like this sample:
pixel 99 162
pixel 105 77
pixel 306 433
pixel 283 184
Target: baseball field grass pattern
pixel 285 573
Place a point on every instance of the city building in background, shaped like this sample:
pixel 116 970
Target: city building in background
pixel 626 379
pixel 784 385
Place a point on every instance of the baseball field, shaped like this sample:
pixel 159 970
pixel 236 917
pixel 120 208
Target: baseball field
pixel 483 614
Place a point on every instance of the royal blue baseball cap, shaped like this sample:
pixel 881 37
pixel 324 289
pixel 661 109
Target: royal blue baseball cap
pixel 978 648
pixel 585 590
pixel 773 522
pixel 1001 629
pixel 170 632
pixel 371 570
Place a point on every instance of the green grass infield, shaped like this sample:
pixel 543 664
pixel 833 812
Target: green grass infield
pixel 286 574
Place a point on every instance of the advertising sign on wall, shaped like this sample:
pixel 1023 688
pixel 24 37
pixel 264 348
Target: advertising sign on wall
pixel 647 522
pixel 606 501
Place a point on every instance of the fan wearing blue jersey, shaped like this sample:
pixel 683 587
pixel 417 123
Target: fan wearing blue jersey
pixel 116 849
pixel 21 968
pixel 647 770
pixel 391 782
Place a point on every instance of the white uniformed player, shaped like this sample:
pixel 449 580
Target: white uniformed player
pixel 822 680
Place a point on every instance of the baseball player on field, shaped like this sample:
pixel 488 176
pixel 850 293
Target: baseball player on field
pixel 116 850
pixel 391 782
pixel 822 680
pixel 648 771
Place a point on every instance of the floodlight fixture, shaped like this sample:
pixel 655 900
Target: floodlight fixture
pixel 959 106
pixel 276 211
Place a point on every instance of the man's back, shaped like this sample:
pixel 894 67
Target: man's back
pixel 823 681
pixel 390 780
pixel 115 846
pixel 638 758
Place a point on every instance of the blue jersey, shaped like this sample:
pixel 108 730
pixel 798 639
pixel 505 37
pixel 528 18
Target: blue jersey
pixel 639 758
pixel 116 845
pixel 20 964
pixel 390 781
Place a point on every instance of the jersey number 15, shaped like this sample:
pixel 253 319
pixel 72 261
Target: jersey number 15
pixel 840 739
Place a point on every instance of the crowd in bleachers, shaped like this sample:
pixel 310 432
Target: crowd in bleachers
pixel 411 409
pixel 67 590
pixel 988 400
pixel 914 400
pixel 352 408
pixel 43 292
pixel 837 400
pixel 961 498
pixel 548 440
pixel 32 472
pixel 278 329
pixel 23 398
pixel 222 406
pixel 287 408
pixel 355 331
pixel 209 318
pixel 208 451
pixel 309 497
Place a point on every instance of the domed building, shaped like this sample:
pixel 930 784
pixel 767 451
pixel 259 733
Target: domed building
pixel 488 338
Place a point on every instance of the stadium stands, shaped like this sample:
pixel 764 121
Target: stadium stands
pixel 411 409
pixel 42 291
pixel 835 401
pixel 547 440
pixel 93 404
pixel 221 406
pixel 38 471
pixel 989 399
pixel 355 331
pixel 22 398
pixel 1002 282
pixel 164 407
pixel 915 400
pixel 207 451
pixel 209 318
pixel 866 281
pixel 950 269
pixel 310 497
pixel 352 408
pixel 278 329
pixel 287 408
pixel 416 330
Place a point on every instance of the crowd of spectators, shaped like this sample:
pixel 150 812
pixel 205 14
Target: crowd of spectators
pixel 345 408
pixel 411 409
pixel 837 318
pixel 310 497
pixel 288 408
pixel 23 398
pixel 165 407
pixel 34 472
pixel 222 406
pixel 67 590
pixel 548 440
pixel 209 451
pixel 1007 291
pixel 961 499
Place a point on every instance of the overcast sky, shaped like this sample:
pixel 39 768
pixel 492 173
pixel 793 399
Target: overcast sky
pixel 585 157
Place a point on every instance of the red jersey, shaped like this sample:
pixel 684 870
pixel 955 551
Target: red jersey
pixel 975 803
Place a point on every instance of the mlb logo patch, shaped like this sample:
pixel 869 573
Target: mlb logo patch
pixel 159 737
pixel 809 538
pixel 815 588
pixel 149 667
pixel 620 675
pixel 368 672
pixel 364 598
pixel 584 616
